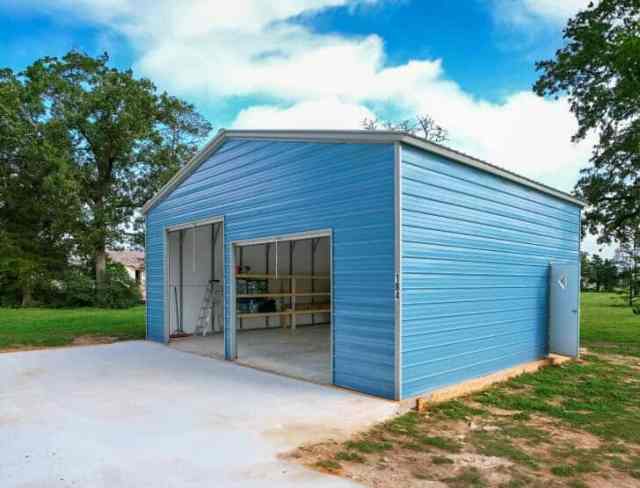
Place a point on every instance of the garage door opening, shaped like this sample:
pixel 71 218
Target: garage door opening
pixel 283 307
pixel 195 275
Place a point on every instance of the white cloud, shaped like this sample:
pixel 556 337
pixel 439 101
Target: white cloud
pixel 249 48
pixel 525 134
pixel 329 113
pixel 524 12
pixel 555 10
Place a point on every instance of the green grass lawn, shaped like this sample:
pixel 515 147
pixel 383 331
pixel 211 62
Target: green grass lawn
pixel 568 426
pixel 575 425
pixel 44 327
pixel 607 323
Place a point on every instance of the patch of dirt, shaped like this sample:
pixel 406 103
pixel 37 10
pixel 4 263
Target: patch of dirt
pixel 77 341
pixel 298 433
pixel 479 461
pixel 493 447
pixel 400 467
pixel 499 412
pixel 561 433
pixel 620 360
pixel 613 480
pixel 21 348
pixel 578 439
pixel 90 340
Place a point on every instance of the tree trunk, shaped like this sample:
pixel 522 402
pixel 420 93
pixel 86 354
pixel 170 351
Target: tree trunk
pixel 100 247
pixel 101 266
pixel 27 297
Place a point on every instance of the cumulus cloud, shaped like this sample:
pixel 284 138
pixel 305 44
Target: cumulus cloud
pixel 526 134
pixel 328 113
pixel 524 12
pixel 251 48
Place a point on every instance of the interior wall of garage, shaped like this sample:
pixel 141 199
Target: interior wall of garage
pixel 196 272
pixel 294 257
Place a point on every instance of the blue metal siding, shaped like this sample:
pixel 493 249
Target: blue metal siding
pixel 268 188
pixel 475 254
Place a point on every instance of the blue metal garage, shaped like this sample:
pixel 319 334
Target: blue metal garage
pixel 421 266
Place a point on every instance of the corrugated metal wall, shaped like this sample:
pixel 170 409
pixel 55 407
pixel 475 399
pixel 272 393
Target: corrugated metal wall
pixel 267 188
pixel 475 260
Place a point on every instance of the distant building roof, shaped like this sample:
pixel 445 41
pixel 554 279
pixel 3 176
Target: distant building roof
pixel 130 259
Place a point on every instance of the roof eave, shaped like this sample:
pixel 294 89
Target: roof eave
pixel 356 136
pixel 488 167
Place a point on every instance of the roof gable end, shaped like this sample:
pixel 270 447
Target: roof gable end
pixel 352 137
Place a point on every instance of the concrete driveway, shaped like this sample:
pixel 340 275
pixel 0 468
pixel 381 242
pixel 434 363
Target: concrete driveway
pixel 138 414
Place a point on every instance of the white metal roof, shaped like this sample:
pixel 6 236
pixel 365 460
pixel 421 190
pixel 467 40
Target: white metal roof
pixel 356 137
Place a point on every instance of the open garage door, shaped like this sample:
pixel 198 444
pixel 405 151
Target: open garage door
pixel 195 288
pixel 283 306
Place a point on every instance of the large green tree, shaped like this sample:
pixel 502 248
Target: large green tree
pixel 126 139
pixel 38 199
pixel 599 70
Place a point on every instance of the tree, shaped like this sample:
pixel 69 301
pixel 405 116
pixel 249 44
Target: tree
pixel 423 126
pixel 38 200
pixel 125 140
pixel 586 276
pixel 609 275
pixel 603 273
pixel 599 70
pixel 627 258
pixel 596 270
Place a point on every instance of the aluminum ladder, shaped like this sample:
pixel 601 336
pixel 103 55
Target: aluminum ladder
pixel 211 303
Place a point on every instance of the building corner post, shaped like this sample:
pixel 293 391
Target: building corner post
pixel 397 179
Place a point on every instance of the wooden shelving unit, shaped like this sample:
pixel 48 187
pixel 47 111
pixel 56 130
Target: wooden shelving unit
pixel 292 294
pixel 283 313
pixel 283 295
pixel 245 276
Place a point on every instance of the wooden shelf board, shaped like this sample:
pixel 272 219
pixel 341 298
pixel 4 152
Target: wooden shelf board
pixel 283 295
pixel 275 314
pixel 243 276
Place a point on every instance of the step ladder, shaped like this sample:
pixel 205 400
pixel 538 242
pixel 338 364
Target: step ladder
pixel 210 308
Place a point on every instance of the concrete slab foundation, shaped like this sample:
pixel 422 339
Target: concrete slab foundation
pixel 140 414
pixel 304 353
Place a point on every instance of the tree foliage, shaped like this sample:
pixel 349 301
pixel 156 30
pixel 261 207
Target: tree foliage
pixel 38 198
pixel 627 258
pixel 598 273
pixel 126 140
pixel 93 143
pixel 423 126
pixel 599 70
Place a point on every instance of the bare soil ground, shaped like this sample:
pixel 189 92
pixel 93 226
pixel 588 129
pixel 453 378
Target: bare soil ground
pixel 575 425
pixel 77 341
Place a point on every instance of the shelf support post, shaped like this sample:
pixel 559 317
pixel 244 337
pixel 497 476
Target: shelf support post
pixel 293 304
pixel 267 248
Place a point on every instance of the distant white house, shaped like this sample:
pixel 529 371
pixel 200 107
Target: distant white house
pixel 133 262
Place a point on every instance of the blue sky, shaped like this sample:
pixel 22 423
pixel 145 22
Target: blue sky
pixel 329 63
pixel 489 58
